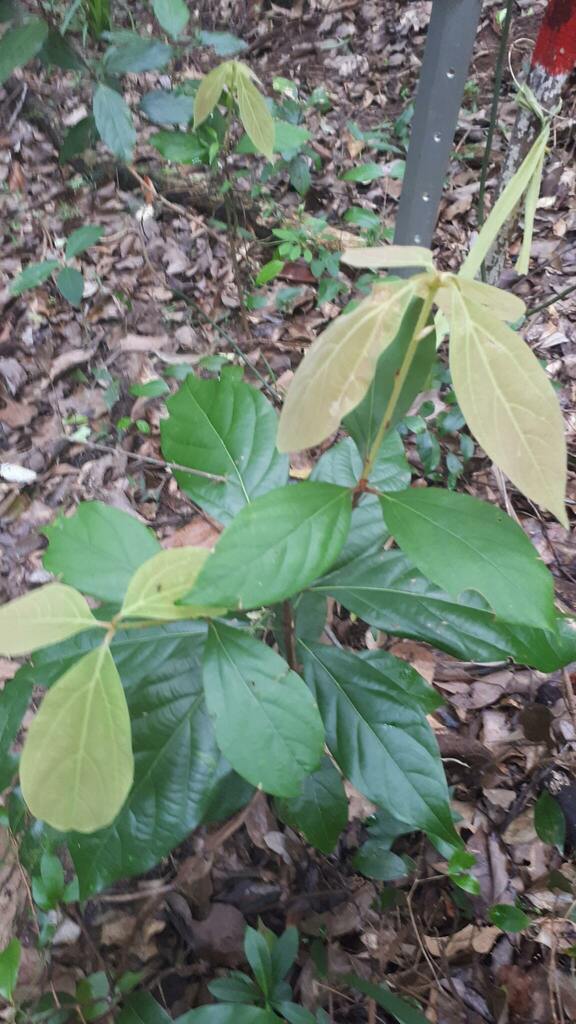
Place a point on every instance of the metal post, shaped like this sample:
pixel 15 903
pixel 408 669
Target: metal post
pixel 447 57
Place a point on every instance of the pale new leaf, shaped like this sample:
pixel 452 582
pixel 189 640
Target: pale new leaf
pixel 390 256
pixel 44 616
pixel 161 581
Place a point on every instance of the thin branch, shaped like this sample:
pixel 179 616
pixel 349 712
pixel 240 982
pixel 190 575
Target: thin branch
pixel 555 298
pixel 146 458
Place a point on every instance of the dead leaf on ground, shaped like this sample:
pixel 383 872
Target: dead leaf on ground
pixel 469 939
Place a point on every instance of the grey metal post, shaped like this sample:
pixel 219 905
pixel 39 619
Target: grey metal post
pixel 447 57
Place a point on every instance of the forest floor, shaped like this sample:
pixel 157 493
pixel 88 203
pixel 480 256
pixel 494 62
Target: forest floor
pixel 163 293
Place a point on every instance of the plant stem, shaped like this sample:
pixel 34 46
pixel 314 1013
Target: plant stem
pixel 399 382
pixel 548 302
pixel 288 622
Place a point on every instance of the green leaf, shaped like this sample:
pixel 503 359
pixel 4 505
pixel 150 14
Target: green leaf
pixel 288 139
pixel 402 1011
pixel 19 45
pixel 78 138
pixel 136 55
pixel 210 90
pixel 363 422
pixel 390 256
pixel 364 173
pixel 366 535
pixel 173 16
pixel 503 305
pixel 255 115
pixel 227 428
pixel 342 464
pixel 320 811
pixel 70 284
pixel 82 239
pixel 275 547
pixel 257 952
pixel 296 1014
pixel 44 616
pixel 508 401
pixel 35 274
pixel 142 1008
pixel 362 218
pixel 489 552
pixel 56 50
pixel 284 953
pixel 9 965
pixel 232 1014
pixel 235 990
pixel 14 698
pixel 179 147
pixel 76 767
pixel 164 107
pixel 114 122
pixel 98 549
pixel 380 738
pixel 549 820
pixel 338 368
pixel 375 861
pixel 265 720
pixel 269 271
pixel 48 889
pixel 508 917
pixel 161 581
pixel 223 43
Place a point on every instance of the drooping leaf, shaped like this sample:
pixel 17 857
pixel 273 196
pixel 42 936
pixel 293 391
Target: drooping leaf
pixel 320 811
pixel 82 239
pixel 9 966
pixel 338 368
pixel 380 739
pixel 255 115
pixel 488 551
pixel 223 43
pixel 375 858
pixel 18 45
pixel 508 402
pixel 265 720
pixel 389 256
pixel 98 549
pixel 402 1011
pixel 227 428
pixel 342 464
pixel 135 54
pixel 549 820
pixel 275 547
pixel 210 90
pixel 179 147
pixel 163 107
pixel 34 275
pixel 508 917
pixel 161 581
pixel 173 16
pixel 44 616
pixel 70 284
pixel 114 122
pixel 76 767
pixel 14 698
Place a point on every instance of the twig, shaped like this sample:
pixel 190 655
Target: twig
pixel 555 298
pixel 145 458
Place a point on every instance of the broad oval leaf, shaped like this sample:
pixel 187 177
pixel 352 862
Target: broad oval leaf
pixel 338 368
pixel 18 45
pixel 265 719
pixel 136 54
pixel 9 966
pixel 34 275
pixel 44 616
pixel 508 917
pixel 342 464
pixel 549 820
pixel 508 402
pixel 379 738
pixel 320 811
pixel 76 767
pixel 98 549
pixel 389 256
pixel 163 107
pixel 501 304
pixel 114 122
pixel 275 547
pixel 227 428
pixel 173 15
pixel 81 239
pixel 179 147
pixel 230 1014
pixel 70 284
pixel 210 90
pixel 462 544
pixel 255 116
pixel 161 581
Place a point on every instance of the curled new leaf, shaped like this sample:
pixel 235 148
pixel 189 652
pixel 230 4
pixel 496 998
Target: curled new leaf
pixel 77 767
pixel 508 401
pixel 161 581
pixel 44 616
pixel 210 91
pixel 336 372
pixel 255 116
pixel 389 256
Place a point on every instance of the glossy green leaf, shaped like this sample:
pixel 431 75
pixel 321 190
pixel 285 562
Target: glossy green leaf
pixel 275 547
pixel 508 917
pixel 364 173
pixel 363 422
pixel 284 952
pixel 234 989
pixel 9 966
pixel 41 617
pixel 338 368
pixel 114 122
pixel 141 1008
pixel 76 767
pixel 98 549
pixel 549 820
pixel 399 1009
pixel 255 115
pixel 296 1014
pixel 34 275
pixel 375 858
pixel 210 90
pixel 161 581
pixel 179 147
pixel 82 239
pixel 320 811
pixel 269 271
pixel 163 107
pixel 508 401
pixel 136 55
pixel 367 533
pixel 265 720
pixel 232 1014
pixel 173 16
pixel 70 284
pixel 342 464
pixel 227 428
pixel 389 256
pixel 489 552
pixel 223 43
pixel 257 952
pixel 14 698
pixel 380 738
pixel 18 45
pixel 416 690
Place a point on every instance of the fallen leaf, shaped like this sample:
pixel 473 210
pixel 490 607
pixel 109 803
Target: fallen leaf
pixel 143 342
pixel 469 939
pixel 198 533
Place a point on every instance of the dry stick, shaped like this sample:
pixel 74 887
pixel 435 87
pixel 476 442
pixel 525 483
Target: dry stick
pixel 145 458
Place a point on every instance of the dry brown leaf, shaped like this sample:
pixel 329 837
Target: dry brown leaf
pixel 198 533
pixel 469 939
pixel 143 342
pixel 17 414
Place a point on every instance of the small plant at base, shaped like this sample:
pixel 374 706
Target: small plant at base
pixel 68 280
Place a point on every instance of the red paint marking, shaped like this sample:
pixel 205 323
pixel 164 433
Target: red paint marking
pixel 555 48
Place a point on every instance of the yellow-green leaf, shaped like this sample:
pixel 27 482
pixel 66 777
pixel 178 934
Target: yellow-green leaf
pixel 210 90
pixel 508 401
pixel 255 116
pixel 389 256
pixel 502 304
pixel 530 204
pixel 42 617
pixel 337 370
pixel 77 767
pixel 161 581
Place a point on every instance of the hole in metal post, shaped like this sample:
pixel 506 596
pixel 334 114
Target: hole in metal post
pixel 450 73
pixel 437 137
pixel 417 239
pixel 425 197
